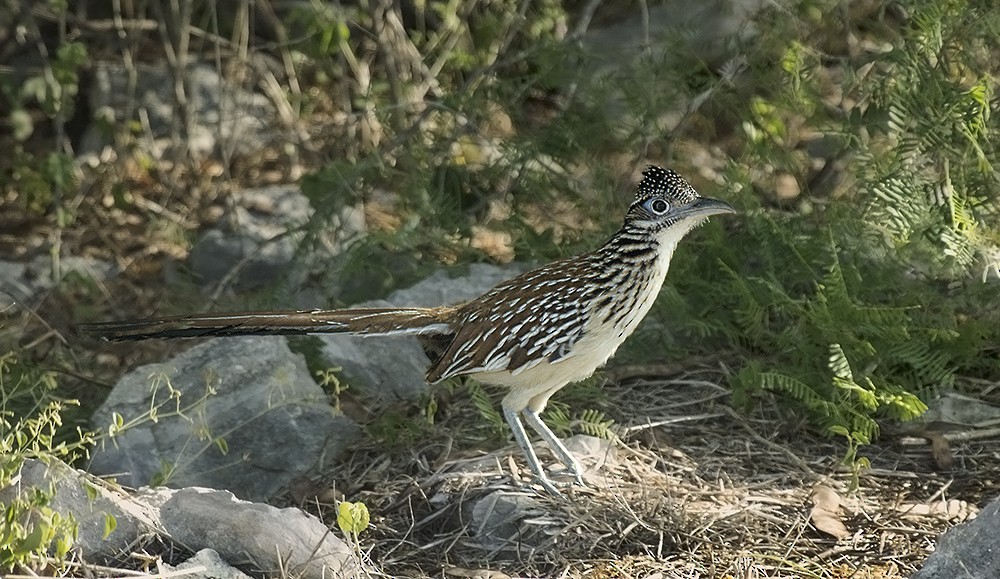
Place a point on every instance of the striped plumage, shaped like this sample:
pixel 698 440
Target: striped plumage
pixel 533 334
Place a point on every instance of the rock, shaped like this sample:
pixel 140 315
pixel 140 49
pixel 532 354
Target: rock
pixel 713 31
pixel 385 367
pixel 274 540
pixel 90 502
pixel 225 119
pixel 241 414
pixel 393 367
pixel 223 529
pixel 517 520
pixel 955 408
pixel 258 240
pixel 23 281
pixel 441 288
pixel 14 287
pixel 967 550
pixel 988 262
pixel 786 187
pixel 500 520
pixel 672 35
pixel 211 566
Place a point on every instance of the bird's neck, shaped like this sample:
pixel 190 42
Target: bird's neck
pixel 635 260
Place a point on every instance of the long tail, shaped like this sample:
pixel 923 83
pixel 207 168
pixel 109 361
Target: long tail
pixel 385 321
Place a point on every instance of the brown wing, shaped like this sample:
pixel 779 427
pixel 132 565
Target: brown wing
pixel 534 317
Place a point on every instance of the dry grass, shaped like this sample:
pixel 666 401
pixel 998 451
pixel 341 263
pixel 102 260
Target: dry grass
pixel 694 490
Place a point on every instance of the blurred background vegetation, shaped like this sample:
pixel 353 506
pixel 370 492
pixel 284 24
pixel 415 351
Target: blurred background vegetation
pixel 858 140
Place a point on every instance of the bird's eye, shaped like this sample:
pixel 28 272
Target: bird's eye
pixel 657 206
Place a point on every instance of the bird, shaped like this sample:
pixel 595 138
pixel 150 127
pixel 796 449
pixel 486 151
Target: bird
pixel 533 334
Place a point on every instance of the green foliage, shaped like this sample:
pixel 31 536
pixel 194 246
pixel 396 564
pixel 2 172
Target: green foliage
pixel 927 173
pixel 38 180
pixel 56 87
pixel 329 380
pixel 485 405
pixel 589 421
pixel 858 307
pixel 32 533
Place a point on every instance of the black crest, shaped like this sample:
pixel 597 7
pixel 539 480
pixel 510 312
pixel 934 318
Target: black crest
pixel 659 181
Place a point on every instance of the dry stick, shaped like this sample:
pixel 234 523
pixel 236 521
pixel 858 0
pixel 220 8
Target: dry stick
pixel 666 422
pixel 123 573
pixel 795 459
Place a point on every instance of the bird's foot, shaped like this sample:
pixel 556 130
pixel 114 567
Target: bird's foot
pixel 550 487
pixel 576 470
pixel 553 488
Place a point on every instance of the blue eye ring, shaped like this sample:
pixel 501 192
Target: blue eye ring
pixel 656 206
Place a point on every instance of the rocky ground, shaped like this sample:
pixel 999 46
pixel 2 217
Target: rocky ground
pixel 229 457
pixel 689 488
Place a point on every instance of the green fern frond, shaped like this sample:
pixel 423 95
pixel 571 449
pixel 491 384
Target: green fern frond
pixel 838 364
pixel 778 382
pixel 558 419
pixel 749 313
pixel 901 404
pixel 595 423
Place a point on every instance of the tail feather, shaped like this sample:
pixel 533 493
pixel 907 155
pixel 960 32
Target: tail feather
pixel 382 321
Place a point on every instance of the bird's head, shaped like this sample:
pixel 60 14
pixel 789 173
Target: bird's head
pixel 668 206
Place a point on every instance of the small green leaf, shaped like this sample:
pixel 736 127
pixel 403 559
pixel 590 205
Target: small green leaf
pixel 838 429
pixel 33 541
pixel 352 517
pixel 91 491
pixel 110 524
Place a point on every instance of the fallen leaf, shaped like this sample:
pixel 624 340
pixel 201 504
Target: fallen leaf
pixel 825 515
pixel 941 451
pixel 475 573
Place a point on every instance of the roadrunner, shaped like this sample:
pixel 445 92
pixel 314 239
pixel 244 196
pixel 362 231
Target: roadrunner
pixel 533 334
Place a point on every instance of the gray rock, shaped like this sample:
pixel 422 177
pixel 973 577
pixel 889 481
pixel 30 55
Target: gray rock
pixel 442 289
pixel 225 118
pixel 713 31
pixel 504 520
pixel 955 408
pixel 207 564
pixel 223 529
pixel 258 240
pixel 393 367
pixel 967 550
pixel 22 282
pixel 677 34
pixel 989 264
pixel 386 368
pixel 253 393
pixel 272 539
pixel 90 508
pixel 14 287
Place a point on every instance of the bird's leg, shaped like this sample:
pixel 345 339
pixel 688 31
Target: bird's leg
pixel 565 456
pixel 521 437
